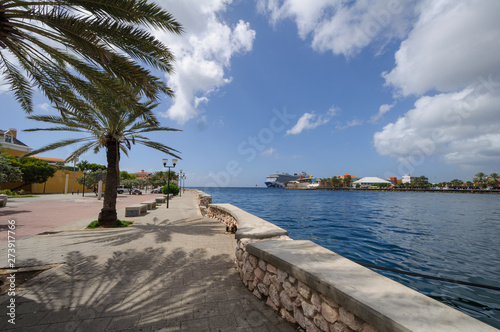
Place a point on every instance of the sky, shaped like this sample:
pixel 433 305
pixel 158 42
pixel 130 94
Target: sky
pixel 370 88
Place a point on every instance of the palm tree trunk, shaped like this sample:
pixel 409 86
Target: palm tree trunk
pixel 107 217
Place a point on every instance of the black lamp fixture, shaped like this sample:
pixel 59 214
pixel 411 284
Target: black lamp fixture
pixel 165 162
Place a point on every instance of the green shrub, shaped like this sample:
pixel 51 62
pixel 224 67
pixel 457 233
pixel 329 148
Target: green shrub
pixel 173 189
pixel 119 223
pixel 93 224
pixel 7 192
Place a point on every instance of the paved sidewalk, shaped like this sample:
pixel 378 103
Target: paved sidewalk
pixel 38 214
pixel 172 270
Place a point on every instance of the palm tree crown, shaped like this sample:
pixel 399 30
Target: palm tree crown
pixel 63 46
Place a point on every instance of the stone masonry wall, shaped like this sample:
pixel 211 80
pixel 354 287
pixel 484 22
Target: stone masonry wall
pixel 222 216
pixel 293 299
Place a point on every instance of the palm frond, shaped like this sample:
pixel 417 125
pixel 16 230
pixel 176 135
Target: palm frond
pixel 57 145
pixel 19 84
pixel 160 147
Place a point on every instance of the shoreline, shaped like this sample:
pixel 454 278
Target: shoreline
pixel 457 191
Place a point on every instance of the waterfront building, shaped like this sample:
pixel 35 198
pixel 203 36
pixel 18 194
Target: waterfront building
pixel 369 181
pixel 406 178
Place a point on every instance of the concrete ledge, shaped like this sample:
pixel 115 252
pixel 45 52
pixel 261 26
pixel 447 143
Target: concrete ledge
pixel 151 205
pixel 250 226
pixel 135 210
pixel 384 303
pixel 160 199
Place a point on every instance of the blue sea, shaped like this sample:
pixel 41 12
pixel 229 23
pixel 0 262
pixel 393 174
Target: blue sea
pixel 447 235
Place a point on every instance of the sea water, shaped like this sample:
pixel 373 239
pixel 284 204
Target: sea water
pixel 447 235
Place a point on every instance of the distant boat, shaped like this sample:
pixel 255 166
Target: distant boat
pixel 278 180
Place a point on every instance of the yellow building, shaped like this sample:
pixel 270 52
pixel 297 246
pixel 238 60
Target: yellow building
pixel 11 145
pixel 61 182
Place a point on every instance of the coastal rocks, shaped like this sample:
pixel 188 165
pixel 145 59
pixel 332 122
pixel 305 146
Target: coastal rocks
pixel 294 300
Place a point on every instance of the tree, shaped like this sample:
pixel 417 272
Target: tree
pixel 335 182
pixel 457 183
pixel 110 128
pixel 124 175
pixel 91 179
pixel 347 181
pixel 67 48
pixel 172 189
pixel 34 170
pixel 83 165
pixel 479 177
pixel 493 179
pixel 9 172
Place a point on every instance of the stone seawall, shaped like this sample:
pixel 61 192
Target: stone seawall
pixel 322 291
pixel 204 200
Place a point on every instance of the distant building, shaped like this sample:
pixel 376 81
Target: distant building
pixel 50 161
pixel 142 174
pixel 370 181
pixel 61 182
pixel 342 177
pixel 393 179
pixel 11 145
pixel 406 178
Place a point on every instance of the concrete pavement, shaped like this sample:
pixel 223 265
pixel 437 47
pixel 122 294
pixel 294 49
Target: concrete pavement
pixel 172 270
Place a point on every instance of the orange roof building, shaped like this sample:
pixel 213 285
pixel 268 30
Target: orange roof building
pixel 142 174
pixel 50 161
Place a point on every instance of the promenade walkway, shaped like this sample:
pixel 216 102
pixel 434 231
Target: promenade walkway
pixel 172 270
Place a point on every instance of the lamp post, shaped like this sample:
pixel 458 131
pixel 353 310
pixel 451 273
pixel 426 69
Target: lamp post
pixel 183 180
pixel 165 161
pixel 179 180
pixel 74 166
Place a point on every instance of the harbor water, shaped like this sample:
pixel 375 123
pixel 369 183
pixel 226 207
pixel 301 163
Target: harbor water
pixel 446 235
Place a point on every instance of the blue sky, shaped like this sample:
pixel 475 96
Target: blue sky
pixel 329 87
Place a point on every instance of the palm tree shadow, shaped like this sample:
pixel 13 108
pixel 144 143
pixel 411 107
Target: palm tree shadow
pixel 147 288
pixel 161 230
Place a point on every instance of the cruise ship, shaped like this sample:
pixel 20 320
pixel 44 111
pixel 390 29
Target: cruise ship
pixel 278 180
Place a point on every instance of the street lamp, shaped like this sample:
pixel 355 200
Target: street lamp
pixel 179 180
pixel 165 161
pixel 184 180
pixel 74 166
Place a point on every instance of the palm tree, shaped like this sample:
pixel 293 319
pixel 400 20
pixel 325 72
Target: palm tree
pixel 64 46
pixel 493 179
pixel 479 177
pixel 347 181
pixel 111 128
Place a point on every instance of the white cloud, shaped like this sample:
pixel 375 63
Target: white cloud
pixel 351 123
pixel 453 49
pixel 203 53
pixel 45 107
pixel 381 111
pixel 268 152
pixel 344 28
pixel 311 121
pixel 450 46
pixel 461 127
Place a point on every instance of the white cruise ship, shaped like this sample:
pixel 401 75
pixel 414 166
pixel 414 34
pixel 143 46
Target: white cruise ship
pixel 278 180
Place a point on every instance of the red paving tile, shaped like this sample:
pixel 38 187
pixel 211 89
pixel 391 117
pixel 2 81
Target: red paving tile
pixel 43 214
